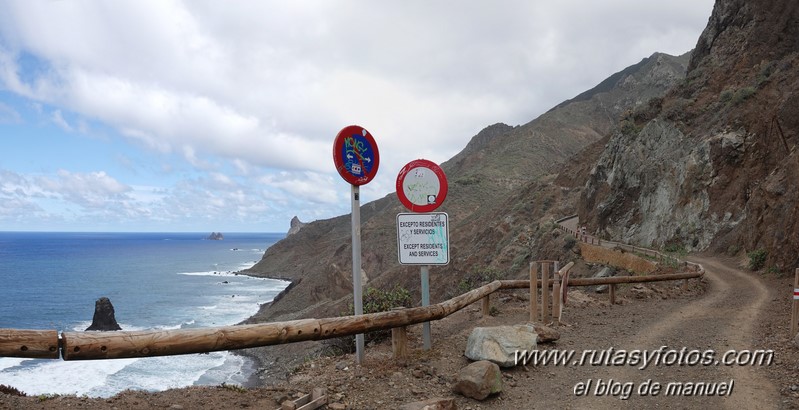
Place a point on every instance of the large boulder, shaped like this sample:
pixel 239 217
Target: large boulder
pixel 104 319
pixel 500 344
pixel 605 272
pixel 478 380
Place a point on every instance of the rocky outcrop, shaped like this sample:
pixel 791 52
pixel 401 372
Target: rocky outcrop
pixel 216 236
pixel 104 319
pixel 295 226
pixel 500 344
pixel 712 165
pixel 478 380
pixel 633 188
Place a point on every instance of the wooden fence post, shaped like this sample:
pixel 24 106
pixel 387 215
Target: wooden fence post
pixel 795 311
pixel 556 299
pixel 612 294
pixel 533 291
pixel 545 291
pixel 399 342
pixel 486 305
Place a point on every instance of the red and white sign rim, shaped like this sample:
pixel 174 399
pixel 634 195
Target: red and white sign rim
pixel 442 182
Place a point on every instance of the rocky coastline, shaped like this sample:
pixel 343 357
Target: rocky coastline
pixel 267 362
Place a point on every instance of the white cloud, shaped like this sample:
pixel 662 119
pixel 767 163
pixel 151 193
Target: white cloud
pixel 8 115
pixel 92 190
pixel 305 186
pixel 59 120
pixel 262 87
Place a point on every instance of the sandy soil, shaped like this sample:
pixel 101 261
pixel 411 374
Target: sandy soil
pixel 728 309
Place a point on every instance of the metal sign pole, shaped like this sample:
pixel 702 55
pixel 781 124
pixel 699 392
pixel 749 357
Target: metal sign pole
pixel 426 302
pixel 357 288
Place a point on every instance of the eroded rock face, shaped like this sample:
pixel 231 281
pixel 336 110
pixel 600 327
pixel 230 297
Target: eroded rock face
pixel 712 165
pixel 104 319
pixel 641 177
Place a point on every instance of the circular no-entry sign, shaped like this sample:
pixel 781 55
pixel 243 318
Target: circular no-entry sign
pixel 421 186
pixel 355 155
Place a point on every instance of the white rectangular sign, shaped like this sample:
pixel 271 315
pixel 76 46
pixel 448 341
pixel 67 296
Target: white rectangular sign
pixel 423 239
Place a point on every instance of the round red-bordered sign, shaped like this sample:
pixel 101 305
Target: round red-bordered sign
pixel 355 155
pixel 422 186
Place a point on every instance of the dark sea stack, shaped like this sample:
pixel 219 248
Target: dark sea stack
pixel 216 236
pixel 104 319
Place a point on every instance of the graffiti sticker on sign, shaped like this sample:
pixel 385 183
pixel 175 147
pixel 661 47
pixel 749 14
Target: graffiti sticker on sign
pixel 421 186
pixel 355 155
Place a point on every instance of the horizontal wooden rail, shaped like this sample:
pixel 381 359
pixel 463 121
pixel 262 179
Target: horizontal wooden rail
pixel 615 280
pixel 146 343
pixel 524 284
pixel 34 344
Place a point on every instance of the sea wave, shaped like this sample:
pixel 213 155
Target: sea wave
pixel 210 273
pixel 105 378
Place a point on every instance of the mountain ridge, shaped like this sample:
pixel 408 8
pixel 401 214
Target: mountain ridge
pixel 500 196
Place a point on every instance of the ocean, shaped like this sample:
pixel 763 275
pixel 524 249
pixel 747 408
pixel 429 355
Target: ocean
pixel 154 280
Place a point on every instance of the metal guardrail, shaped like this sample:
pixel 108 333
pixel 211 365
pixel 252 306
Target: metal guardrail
pixel 660 256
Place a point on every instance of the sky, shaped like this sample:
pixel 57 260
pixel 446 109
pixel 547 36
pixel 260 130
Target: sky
pixel 202 115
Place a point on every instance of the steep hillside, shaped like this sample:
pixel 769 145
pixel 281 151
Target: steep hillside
pixel 499 200
pixel 713 164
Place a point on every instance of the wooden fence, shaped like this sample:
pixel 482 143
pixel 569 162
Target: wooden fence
pixel 46 344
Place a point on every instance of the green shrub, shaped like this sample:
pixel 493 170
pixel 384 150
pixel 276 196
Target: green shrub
pixel 470 180
pixel 520 261
pixel 378 300
pixel 742 95
pixel 374 301
pixel 726 95
pixel 765 72
pixel 676 248
pixel 569 242
pixel 628 127
pixel 477 278
pixel 757 259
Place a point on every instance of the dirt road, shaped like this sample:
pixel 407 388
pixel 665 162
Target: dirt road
pixel 722 320
pixel 662 318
